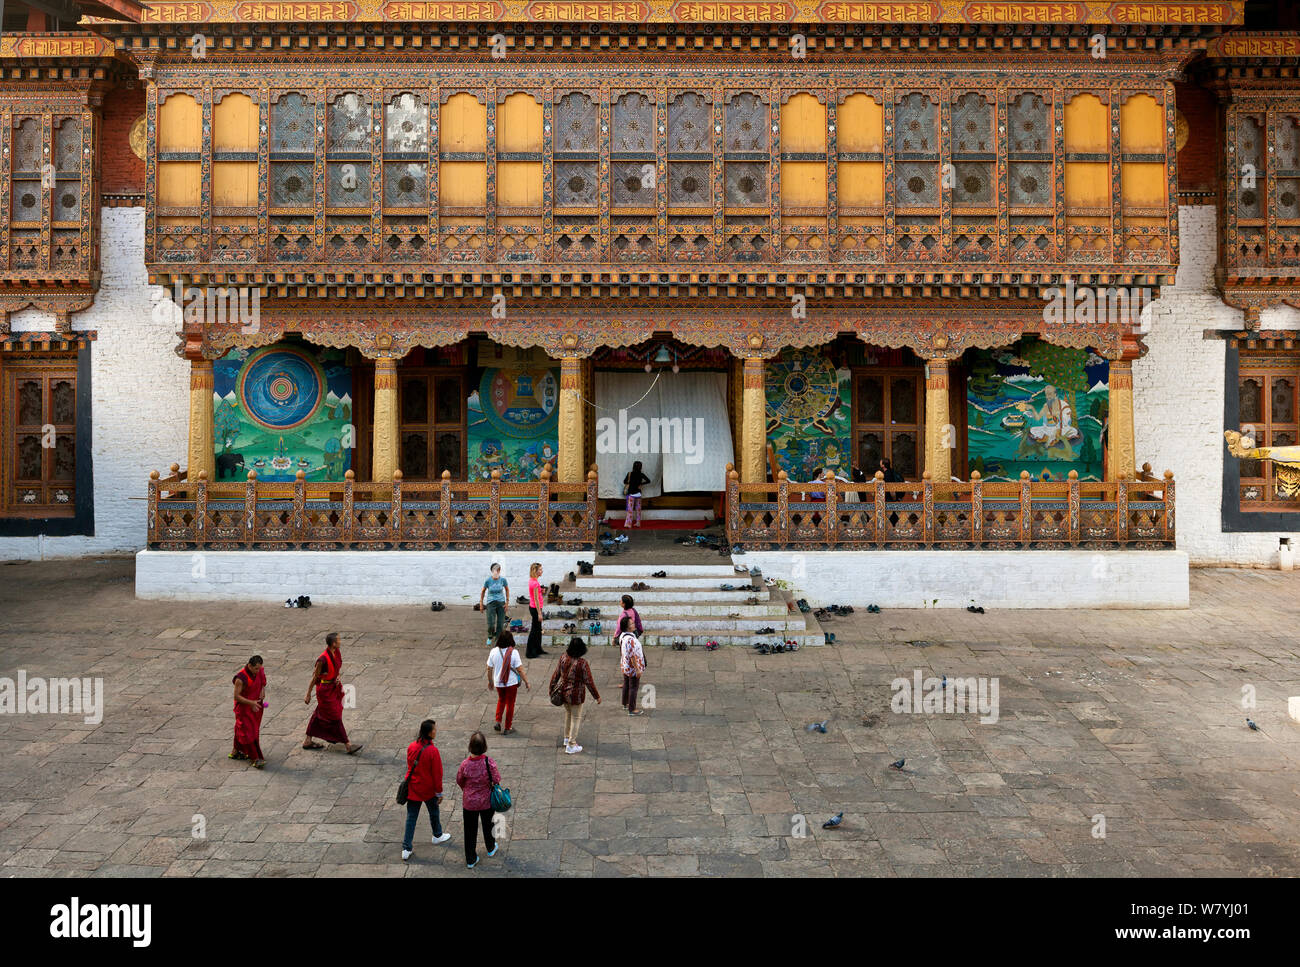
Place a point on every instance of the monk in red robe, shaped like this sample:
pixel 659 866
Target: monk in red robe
pixel 327 721
pixel 250 684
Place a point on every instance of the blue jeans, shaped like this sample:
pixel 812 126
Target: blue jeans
pixel 413 813
pixel 496 619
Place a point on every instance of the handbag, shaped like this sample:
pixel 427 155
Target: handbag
pixel 403 787
pixel 557 687
pixel 500 794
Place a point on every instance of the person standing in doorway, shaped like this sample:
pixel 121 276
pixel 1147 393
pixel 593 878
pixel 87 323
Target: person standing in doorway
pixel 250 684
pixel 505 669
pixel 476 776
pixel 327 721
pixel 536 599
pixel 424 786
pixel 632 484
pixel 631 661
pixel 890 476
pixel 495 599
pixel 572 679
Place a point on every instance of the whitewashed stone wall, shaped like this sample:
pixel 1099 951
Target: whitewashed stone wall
pixel 341 577
pixel 1179 396
pixel 140 395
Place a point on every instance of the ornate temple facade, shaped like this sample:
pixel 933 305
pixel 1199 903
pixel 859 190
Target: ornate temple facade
pixel 402 275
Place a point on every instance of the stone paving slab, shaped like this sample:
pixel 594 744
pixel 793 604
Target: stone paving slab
pixel 1134 717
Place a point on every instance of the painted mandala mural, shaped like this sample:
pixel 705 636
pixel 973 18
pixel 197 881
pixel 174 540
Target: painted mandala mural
pixel 282 409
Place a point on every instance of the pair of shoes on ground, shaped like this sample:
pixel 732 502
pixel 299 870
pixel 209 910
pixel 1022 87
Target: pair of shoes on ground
pixel 679 645
pixel 804 606
pixel 766 631
pixel 491 852
pixel 584 567
pixel 710 645
pixel 302 601
pixel 659 574
pixel 873 609
pixel 974 610
pixel 437 606
pixel 570 628
pixel 640 586
pixel 574 601
pixel 437 841
pixel 741 568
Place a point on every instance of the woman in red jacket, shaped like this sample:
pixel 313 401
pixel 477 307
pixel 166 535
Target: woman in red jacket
pixel 424 765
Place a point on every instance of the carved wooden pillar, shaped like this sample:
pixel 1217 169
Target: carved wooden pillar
pixel 201 456
pixel 753 424
pixel 1121 445
pixel 939 435
pixel 383 460
pixel 572 423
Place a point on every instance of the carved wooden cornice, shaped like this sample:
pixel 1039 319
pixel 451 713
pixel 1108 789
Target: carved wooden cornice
pixel 393 332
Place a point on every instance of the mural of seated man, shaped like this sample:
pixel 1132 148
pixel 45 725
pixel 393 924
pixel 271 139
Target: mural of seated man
pixel 1054 432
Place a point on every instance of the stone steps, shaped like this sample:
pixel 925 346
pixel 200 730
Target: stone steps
pixel 686 605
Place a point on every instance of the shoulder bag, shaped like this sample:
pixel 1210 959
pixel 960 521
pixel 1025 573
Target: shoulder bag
pixel 500 794
pixel 557 690
pixel 404 786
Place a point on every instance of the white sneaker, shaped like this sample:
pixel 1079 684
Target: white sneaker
pixel 406 855
pixel 573 748
pixel 441 839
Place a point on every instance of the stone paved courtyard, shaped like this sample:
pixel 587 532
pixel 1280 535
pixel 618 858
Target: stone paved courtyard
pixel 1134 716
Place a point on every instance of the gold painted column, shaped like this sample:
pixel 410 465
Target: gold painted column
pixel 383 461
pixel 753 424
pixel 572 423
pixel 940 437
pixel 201 456
pixel 1120 435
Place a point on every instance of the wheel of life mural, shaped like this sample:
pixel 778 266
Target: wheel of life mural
pixel 520 402
pixel 280 388
pixel 803 390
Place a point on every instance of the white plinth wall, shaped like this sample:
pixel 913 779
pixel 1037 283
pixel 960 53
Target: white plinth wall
pixel 891 579
pixel 988 579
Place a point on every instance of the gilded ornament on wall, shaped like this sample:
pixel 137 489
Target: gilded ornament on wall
pixel 136 137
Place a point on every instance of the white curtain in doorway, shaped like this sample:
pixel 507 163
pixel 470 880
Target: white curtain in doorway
pixel 690 445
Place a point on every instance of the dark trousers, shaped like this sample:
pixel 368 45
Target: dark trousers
pixel 631 685
pixel 473 817
pixel 496 619
pixel 534 635
pixel 413 814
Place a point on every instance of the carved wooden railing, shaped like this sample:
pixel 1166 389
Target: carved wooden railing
pixel 186 514
pixel 1027 514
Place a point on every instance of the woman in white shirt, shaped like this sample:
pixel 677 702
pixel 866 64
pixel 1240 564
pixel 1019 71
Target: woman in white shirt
pixel 504 670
